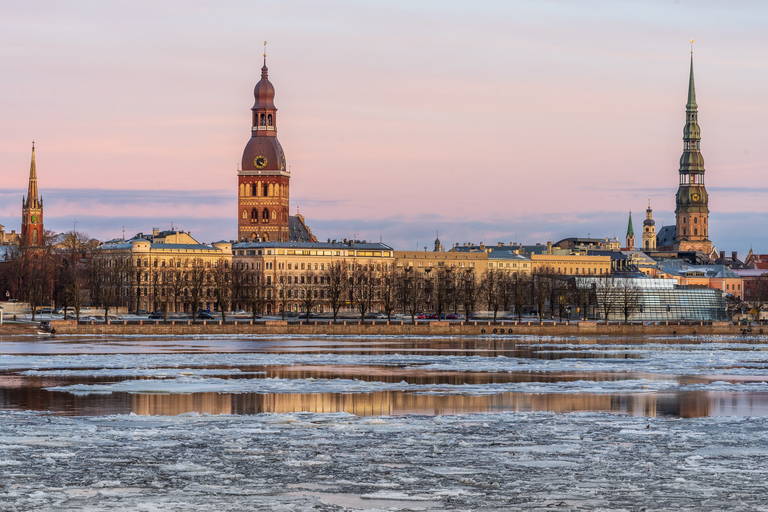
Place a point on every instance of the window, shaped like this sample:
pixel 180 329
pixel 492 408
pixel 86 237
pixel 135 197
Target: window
pixel 269 119
pixel 255 215
pixel 266 189
pixel 274 214
pixel 245 214
pixel 265 215
pixel 262 120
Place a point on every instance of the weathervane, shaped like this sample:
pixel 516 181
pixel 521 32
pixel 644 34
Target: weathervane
pixel 691 46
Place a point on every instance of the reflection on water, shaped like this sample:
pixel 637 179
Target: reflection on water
pixel 685 404
pixel 20 392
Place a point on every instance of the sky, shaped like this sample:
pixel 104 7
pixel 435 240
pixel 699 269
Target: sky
pixel 483 121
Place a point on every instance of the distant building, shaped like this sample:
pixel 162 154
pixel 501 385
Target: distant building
pixel 630 235
pixel 158 270
pixel 649 230
pixel 657 300
pixel 32 231
pixel 756 261
pixel 589 244
pixel 717 277
pixel 284 268
pixel 733 262
pixel 12 238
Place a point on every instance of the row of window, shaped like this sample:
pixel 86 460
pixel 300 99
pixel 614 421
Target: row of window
pixel 259 190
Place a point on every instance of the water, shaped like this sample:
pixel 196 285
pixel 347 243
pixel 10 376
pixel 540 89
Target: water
pixel 232 423
pixel 379 376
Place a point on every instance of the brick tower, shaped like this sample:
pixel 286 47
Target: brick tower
pixel 262 205
pixel 32 211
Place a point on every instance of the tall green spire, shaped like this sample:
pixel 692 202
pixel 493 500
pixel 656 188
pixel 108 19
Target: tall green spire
pixel 691 105
pixel 630 229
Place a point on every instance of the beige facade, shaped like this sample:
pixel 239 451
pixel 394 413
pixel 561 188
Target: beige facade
pixel 423 260
pixel 284 269
pixel 164 270
pixel 571 264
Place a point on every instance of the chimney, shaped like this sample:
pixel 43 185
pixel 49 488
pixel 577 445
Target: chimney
pixel 549 247
pixel 722 255
pixel 733 255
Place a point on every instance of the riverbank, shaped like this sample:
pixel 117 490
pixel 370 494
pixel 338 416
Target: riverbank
pixel 400 328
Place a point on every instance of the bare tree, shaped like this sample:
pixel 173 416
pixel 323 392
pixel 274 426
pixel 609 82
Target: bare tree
pixel 256 291
pixel 443 289
pixel 106 280
pixel 469 291
pixel 491 286
pixel 336 282
pixel 583 294
pixel 520 283
pixel 176 275
pixel 197 281
pixel 309 290
pixel 222 285
pixel 283 289
pixel 363 282
pixel 558 295
pixel 608 296
pixel 629 297
pixel 74 270
pixel 413 291
pixel 540 289
pixel 388 289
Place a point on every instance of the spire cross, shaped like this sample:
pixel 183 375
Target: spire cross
pixel 33 145
pixel 691 46
pixel 265 52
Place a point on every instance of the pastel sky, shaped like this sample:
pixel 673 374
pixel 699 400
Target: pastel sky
pixel 486 121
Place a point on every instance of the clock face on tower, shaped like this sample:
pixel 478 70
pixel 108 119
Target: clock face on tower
pixel 260 161
pixel 695 197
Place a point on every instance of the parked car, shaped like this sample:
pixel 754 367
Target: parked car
pixel 157 315
pixel 44 311
pixel 422 316
pixel 204 315
pixel 239 312
pixel 451 316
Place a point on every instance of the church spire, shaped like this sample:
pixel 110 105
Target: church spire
pixel 691 105
pixel 630 234
pixel 692 199
pixel 32 198
pixel 32 210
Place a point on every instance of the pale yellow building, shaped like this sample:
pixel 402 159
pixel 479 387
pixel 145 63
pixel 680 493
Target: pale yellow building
pixel 571 264
pixel 145 268
pixel 284 267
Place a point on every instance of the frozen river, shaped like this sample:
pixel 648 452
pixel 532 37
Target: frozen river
pixel 377 423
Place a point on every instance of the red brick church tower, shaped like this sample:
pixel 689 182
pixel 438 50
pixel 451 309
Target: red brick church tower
pixel 263 178
pixel 32 211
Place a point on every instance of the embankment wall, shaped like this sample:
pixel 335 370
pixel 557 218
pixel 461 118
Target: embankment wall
pixel 397 328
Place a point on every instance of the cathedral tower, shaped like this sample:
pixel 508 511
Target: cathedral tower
pixel 692 200
pixel 32 210
pixel 263 179
pixel 649 230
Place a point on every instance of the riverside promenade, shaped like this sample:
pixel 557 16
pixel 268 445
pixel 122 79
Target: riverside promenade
pixel 399 328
